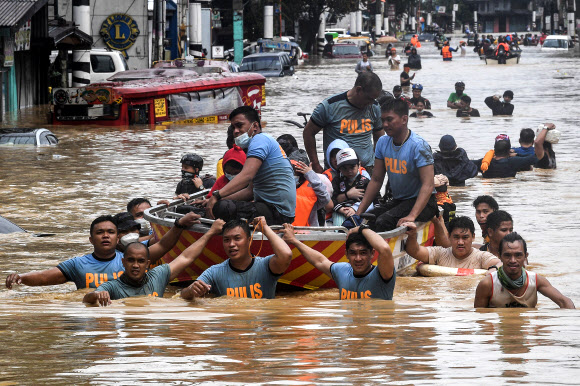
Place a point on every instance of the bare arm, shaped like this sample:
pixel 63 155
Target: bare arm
pixel 539 142
pixel 168 241
pixel 426 175
pixel 52 276
pixel 196 290
pixel 240 182
pixel 376 135
pixel 317 259
pixel 373 187
pixel 483 293
pixel 309 136
pixel 194 250
pixel 246 194
pixel 385 261
pixel 412 246
pixel 441 235
pixel 280 262
pixel 101 297
pixel 549 291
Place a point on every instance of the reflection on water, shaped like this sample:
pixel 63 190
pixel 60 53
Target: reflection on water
pixel 428 334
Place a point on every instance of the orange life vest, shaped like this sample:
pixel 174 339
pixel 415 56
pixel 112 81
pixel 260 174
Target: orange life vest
pixel 328 173
pixel 414 41
pixel 446 52
pixel 305 200
pixel 505 46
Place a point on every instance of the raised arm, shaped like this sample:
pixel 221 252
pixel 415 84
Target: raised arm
pixel 483 293
pixel 426 175
pixel 309 136
pixel 441 235
pixel 168 241
pixel 280 262
pixel 539 142
pixel 194 250
pixel 549 291
pixel 374 186
pixel 412 246
pixel 52 276
pixel 385 261
pixel 317 259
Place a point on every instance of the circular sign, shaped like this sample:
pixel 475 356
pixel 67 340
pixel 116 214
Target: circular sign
pixel 119 31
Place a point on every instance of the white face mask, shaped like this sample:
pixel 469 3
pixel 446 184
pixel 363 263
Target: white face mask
pixel 129 238
pixel 145 226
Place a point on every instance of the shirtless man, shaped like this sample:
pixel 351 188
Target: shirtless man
pixel 512 285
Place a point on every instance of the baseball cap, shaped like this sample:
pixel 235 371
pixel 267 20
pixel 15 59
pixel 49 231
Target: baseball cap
pixel 447 143
pixel 125 221
pixel 346 157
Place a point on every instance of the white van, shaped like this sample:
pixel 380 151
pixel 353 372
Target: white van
pixel 558 42
pixel 104 64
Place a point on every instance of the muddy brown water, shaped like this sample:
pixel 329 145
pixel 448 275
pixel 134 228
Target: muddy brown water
pixel 429 333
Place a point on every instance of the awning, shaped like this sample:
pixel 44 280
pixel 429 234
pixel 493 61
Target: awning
pixel 14 13
pixel 68 37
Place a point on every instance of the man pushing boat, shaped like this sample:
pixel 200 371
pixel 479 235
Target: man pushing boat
pixel 359 278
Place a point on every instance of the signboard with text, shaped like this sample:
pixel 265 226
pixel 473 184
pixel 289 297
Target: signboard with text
pixel 22 38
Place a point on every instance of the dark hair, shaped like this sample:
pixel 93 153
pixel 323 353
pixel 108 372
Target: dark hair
pixel 237 223
pixel 489 200
pixel 466 99
pixel 502 147
pixel 527 136
pixel 137 244
pixel 512 238
pixel 357 238
pixel 101 219
pixel 287 142
pixel 369 82
pixel 509 93
pixel 249 112
pixel 136 202
pixel 230 137
pixel 461 222
pixel 398 106
pixel 495 219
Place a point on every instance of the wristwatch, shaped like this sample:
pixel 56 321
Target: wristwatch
pixel 216 194
pixel 178 225
pixel 362 227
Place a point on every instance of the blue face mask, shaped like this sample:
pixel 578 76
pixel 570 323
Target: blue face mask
pixel 243 140
pixel 230 176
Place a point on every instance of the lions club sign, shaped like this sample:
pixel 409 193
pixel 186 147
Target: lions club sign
pixel 119 31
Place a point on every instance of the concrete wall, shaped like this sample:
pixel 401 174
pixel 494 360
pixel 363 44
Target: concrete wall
pixel 101 9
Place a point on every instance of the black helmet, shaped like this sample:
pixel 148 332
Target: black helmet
pixel 460 84
pixel 192 160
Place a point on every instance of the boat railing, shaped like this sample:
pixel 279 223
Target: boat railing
pixel 165 215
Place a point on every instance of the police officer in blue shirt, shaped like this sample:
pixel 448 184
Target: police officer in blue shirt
pixel 359 278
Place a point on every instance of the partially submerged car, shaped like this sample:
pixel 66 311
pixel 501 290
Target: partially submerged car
pixel 268 64
pixel 558 42
pixel 344 51
pixel 32 137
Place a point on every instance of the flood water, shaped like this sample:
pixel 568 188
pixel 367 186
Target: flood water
pixel 429 333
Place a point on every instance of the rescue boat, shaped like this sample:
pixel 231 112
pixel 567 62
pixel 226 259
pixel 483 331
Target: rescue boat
pixel 330 241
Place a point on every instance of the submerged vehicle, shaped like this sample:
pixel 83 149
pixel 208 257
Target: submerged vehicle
pixel 159 96
pixel 330 241
pixel 558 42
pixel 344 51
pixel 33 137
pixel 269 64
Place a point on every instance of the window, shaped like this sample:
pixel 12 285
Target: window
pixel 102 63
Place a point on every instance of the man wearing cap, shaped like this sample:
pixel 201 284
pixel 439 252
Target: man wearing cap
pixel 452 162
pixel 398 94
pixel 265 186
pixel 498 107
pixel 394 59
pixel 455 97
pixel 465 109
pixel 353 116
pixel 407 159
pixel 311 192
pixel 105 262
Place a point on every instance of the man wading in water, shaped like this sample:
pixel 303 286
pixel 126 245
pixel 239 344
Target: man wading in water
pixel 512 285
